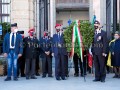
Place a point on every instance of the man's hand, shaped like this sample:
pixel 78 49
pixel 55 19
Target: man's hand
pixel 19 55
pixel 52 54
pixel 105 55
pixel 48 53
pixel 5 55
pixel 112 53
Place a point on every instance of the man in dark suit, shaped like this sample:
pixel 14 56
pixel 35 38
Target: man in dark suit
pixel 99 52
pixel 12 49
pixel 59 51
pixel 37 59
pixel 66 60
pixel 45 45
pixel 78 63
pixel 31 45
pixel 21 60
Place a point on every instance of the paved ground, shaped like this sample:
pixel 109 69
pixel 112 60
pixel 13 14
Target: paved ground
pixel 51 84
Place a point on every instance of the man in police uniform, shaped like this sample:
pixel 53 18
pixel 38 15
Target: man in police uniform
pixel 31 44
pixel 45 45
pixel 99 52
pixel 59 51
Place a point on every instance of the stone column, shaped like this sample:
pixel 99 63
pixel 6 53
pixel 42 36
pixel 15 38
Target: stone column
pixel 103 13
pixel 52 16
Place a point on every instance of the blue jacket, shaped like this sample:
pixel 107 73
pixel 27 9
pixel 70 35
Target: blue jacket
pixel 55 48
pixel 45 45
pixel 18 44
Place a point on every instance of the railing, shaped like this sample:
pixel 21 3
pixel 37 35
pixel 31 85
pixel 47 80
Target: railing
pixel 72 1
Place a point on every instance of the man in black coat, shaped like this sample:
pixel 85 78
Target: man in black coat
pixel 99 52
pixel 31 45
pixel 45 46
pixel 21 60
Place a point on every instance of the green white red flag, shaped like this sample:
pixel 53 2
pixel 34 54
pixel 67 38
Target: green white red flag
pixel 76 35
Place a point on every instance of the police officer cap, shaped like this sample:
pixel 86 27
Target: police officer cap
pixel 96 22
pixel 117 32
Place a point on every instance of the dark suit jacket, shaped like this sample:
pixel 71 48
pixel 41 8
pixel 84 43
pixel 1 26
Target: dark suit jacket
pixel 18 44
pixel 100 43
pixel 31 46
pixel 45 46
pixel 55 47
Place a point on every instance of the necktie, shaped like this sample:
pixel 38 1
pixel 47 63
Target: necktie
pixel 12 41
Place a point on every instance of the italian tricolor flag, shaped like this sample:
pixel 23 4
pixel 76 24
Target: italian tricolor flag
pixel 76 35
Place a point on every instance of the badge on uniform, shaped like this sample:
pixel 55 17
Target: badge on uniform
pixel 59 45
pixel 99 38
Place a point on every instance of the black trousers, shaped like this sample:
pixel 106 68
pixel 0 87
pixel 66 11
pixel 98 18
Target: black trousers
pixel 66 64
pixel 100 64
pixel 37 64
pixel 59 66
pixel 21 66
pixel 77 63
pixel 30 67
pixel 47 65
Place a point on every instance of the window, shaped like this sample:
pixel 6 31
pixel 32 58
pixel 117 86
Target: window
pixel 4 11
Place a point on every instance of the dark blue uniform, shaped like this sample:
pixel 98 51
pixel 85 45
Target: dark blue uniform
pixel 99 47
pixel 45 46
pixel 59 51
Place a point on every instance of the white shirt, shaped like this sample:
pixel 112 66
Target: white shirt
pixel 11 40
pixel 98 31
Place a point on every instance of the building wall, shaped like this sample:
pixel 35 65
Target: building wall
pixel 74 15
pixel 22 12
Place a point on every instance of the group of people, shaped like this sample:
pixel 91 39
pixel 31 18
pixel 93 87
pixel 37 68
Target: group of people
pixel 23 53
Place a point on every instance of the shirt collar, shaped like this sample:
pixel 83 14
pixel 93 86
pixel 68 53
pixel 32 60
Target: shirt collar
pixel 98 31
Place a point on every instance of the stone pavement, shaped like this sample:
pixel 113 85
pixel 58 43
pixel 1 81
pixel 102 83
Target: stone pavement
pixel 72 83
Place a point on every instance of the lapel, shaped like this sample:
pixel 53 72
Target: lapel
pixel 16 39
pixel 9 37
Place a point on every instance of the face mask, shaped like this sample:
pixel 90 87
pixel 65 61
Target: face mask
pixel 15 30
pixel 46 34
pixel 31 34
pixel 96 27
pixel 58 30
pixel 116 37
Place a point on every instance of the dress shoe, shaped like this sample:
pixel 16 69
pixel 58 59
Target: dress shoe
pixel 37 74
pixel 63 78
pixel 23 75
pixel 119 76
pixel 66 75
pixel 15 79
pixel 8 79
pixel 115 76
pixel 96 80
pixel 76 75
pixel 27 78
pixel 103 81
pixel 58 79
pixel 44 76
pixel 50 76
pixel 33 77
